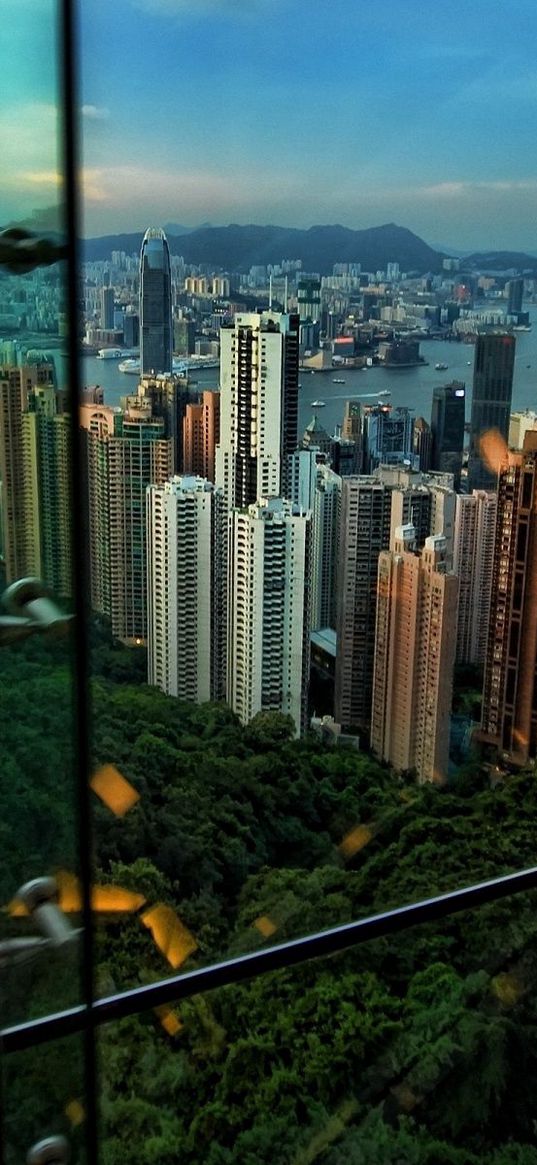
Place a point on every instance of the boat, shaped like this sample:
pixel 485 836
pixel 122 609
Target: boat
pixel 337 380
pixel 110 354
pixel 318 404
pixel 179 366
pixel 384 392
pixel 469 363
pixel 441 367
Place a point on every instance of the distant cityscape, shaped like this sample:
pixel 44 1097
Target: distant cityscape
pixel 339 579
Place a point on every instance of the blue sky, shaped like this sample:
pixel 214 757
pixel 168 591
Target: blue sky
pixel 294 113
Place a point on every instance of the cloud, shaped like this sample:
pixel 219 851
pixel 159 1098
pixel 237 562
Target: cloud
pixel 95 112
pixel 41 177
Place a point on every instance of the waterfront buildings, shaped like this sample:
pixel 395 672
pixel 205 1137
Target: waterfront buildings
pixel 509 718
pixel 447 429
pixel 414 657
pixel 201 433
pixel 258 405
pixel 520 424
pixel 156 331
pixel 494 364
pixel 268 610
pixel 186 574
pixel 473 556
pixel 35 451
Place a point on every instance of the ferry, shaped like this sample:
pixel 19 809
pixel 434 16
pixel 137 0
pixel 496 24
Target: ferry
pixel 110 354
pixel 441 367
pixel 384 392
pixel 318 404
pixel 337 380
pixel 179 367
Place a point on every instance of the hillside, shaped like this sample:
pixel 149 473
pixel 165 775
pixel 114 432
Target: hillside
pixel 239 247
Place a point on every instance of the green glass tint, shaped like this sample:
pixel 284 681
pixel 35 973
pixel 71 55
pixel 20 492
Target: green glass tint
pixel 43 1097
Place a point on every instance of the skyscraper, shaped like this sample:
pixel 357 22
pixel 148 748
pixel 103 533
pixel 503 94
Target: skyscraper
pixel 201 433
pixel 35 443
pixel 107 308
pixel 364 532
pixel 122 461
pixel 258 405
pixel 515 295
pixel 315 487
pixel 494 364
pixel 186 564
pixel 156 331
pixel 422 444
pixel 473 556
pixel 447 428
pixel 414 657
pixel 309 299
pixel 387 437
pixel 268 610
pixel 509 718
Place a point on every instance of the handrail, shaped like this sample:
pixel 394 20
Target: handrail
pixel 288 954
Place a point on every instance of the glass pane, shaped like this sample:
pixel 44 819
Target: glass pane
pixel 39 948
pixel 339 381
pixel 43 1097
pixel 414 1049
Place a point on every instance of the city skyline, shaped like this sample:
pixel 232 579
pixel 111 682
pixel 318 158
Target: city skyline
pixel 414 114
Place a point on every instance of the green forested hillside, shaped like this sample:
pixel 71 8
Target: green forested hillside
pixel 418 1049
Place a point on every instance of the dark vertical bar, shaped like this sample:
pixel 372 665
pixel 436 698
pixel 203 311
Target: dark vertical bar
pixel 70 106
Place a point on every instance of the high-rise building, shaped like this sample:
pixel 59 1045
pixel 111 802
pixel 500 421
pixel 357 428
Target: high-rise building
pixel 519 425
pixel 122 461
pixel 309 299
pixel 387 437
pixel 494 364
pixel 414 657
pixel 131 329
pixel 352 422
pixel 107 308
pixel 156 331
pixel 258 405
pixel 424 500
pixel 473 555
pixel 447 428
pixel 314 486
pixel 268 610
pixel 316 437
pixel 35 450
pixel 509 718
pixel 186 564
pixel 201 433
pixel 515 296
pixel 423 443
pixel 168 398
pixel 364 532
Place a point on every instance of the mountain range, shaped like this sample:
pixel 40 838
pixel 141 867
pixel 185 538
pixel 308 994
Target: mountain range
pixel 237 248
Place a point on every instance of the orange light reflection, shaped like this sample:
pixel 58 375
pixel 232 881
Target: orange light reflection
pixel 172 938
pixel 114 790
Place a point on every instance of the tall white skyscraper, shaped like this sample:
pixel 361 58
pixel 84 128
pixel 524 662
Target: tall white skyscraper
pixel 268 610
pixel 186 562
pixel 258 405
pixel 473 559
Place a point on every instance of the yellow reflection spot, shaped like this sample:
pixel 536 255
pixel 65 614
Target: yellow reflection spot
pixel 169 934
pixel 169 1020
pixel 17 909
pixel 494 451
pixel 507 988
pixel 116 792
pixel 75 1113
pixel 69 891
pixel 355 840
pixel 115 900
pixel 265 925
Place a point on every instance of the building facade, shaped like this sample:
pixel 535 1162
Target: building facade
pixel 201 434
pixel 492 391
pixel 186 574
pixel 156 330
pixel 447 429
pixel 268 610
pixel 509 719
pixel 258 405
pixel 473 557
pixel 414 657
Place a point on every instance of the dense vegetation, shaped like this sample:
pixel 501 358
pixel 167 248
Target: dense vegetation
pixel 418 1050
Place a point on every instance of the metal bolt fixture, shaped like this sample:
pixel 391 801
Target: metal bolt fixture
pixel 51 1151
pixel 30 599
pixel 40 896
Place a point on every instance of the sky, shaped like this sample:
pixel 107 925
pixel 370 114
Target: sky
pixel 284 112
